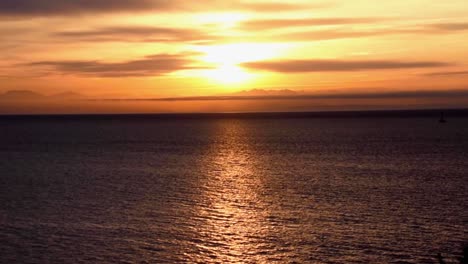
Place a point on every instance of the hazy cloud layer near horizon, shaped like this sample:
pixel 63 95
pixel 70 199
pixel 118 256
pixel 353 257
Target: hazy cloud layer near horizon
pixel 256 94
pixel 69 103
pixel 298 66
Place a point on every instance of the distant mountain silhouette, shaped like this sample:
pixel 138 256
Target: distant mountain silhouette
pixel 68 96
pixel 21 95
pixel 26 95
pixel 263 92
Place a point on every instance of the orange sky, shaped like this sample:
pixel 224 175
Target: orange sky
pixel 159 49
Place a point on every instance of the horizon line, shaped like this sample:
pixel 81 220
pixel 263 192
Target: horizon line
pixel 402 113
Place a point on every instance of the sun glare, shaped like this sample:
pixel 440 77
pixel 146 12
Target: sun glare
pixel 227 59
pixel 228 74
pixel 239 52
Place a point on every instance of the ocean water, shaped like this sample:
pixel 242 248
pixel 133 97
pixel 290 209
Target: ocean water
pixel 233 190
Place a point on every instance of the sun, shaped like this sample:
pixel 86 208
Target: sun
pixel 228 74
pixel 227 59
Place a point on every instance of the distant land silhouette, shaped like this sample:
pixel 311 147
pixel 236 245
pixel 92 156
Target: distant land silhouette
pixel 21 95
pixel 27 95
pixel 265 92
pixel 427 113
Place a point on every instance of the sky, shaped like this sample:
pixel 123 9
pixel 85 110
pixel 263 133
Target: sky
pixel 75 56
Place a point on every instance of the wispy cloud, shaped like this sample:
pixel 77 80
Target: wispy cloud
pixel 451 26
pixel 327 34
pixel 266 24
pixel 273 24
pixel 58 7
pixel 331 34
pixel 272 95
pixel 447 73
pixel 154 65
pixel 299 66
pixel 256 94
pixel 136 34
pixel 271 6
pixel 64 7
pixel 253 95
pixel 322 29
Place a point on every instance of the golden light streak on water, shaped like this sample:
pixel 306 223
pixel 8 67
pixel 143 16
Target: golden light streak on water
pixel 235 210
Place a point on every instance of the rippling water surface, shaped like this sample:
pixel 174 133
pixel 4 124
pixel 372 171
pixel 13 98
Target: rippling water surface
pixel 232 190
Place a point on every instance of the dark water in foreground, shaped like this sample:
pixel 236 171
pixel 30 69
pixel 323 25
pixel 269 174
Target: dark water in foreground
pixel 233 190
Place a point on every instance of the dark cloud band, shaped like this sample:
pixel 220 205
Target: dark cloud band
pixel 299 66
pixel 136 33
pixel 53 7
pixel 266 24
pixel 64 7
pixel 307 96
pixel 447 73
pixel 154 65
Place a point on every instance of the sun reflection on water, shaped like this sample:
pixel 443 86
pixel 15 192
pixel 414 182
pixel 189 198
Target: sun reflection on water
pixel 234 212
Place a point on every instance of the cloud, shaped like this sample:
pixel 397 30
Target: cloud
pixel 447 73
pixel 451 26
pixel 273 6
pixel 256 94
pixel 331 34
pixel 67 7
pixel 300 66
pixel 265 24
pixel 167 34
pixel 317 35
pixel 154 65
pixel 271 24
pixel 319 29
pixel 292 95
pixel 27 95
pixel 60 7
pixel 328 35
pixel 267 92
pixel 137 33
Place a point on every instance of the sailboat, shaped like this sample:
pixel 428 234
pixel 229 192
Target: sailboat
pixel 442 119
